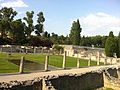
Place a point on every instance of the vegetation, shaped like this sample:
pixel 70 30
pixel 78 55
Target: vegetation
pixel 75 33
pixel 97 41
pixel 29 20
pixel 55 60
pixel 111 46
pixel 16 32
pixel 119 45
pixel 58 48
pixel 39 27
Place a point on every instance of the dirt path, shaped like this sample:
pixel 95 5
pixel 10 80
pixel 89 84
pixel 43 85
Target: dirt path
pixel 31 76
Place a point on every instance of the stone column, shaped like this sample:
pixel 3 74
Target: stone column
pixel 111 60
pixel 115 57
pixel 98 58
pixel 34 50
pixel 46 63
pixel 60 51
pixel 21 68
pixel 118 73
pixel 89 61
pixel 48 51
pixel 42 51
pixel 1 49
pixel 11 50
pixel 64 60
pixel 26 51
pixel 78 61
pixel 105 62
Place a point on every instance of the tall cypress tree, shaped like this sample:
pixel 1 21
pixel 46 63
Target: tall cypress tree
pixel 75 33
pixel 119 45
pixel 111 45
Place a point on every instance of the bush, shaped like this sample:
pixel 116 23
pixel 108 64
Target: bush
pixel 58 48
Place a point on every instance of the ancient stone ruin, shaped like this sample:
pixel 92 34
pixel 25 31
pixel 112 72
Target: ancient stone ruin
pixel 104 77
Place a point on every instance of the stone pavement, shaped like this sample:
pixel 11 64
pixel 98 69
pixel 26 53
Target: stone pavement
pixel 31 76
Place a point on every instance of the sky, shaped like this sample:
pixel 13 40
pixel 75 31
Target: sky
pixel 97 17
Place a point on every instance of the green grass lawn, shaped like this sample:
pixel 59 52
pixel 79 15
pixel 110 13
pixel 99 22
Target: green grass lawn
pixel 6 66
pixel 54 60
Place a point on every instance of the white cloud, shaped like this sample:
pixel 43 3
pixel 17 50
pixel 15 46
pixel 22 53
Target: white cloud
pixel 99 24
pixel 13 3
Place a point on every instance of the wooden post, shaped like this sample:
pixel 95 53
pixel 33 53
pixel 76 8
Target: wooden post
pixel 78 61
pixel 89 61
pixel 64 60
pixel 21 68
pixel 46 63
pixel 98 58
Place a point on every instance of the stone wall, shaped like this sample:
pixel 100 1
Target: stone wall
pixel 35 84
pixel 90 80
pixel 107 77
pixel 85 81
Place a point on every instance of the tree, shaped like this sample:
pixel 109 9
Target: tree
pixel 119 45
pixel 54 38
pixel 39 27
pixel 96 41
pixel 30 26
pixel 46 34
pixel 67 40
pixel 6 17
pixel 58 48
pixel 17 32
pixel 75 33
pixel 86 41
pixel 111 46
pixel 104 38
pixel 61 39
pixel 38 41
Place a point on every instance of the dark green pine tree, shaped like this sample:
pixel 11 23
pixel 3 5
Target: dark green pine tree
pixel 111 45
pixel 119 45
pixel 75 33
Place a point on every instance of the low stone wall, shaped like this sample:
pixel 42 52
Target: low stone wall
pixel 111 78
pixel 35 84
pixel 113 72
pixel 107 77
pixel 85 81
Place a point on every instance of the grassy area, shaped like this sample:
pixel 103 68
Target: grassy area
pixel 6 66
pixel 55 60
